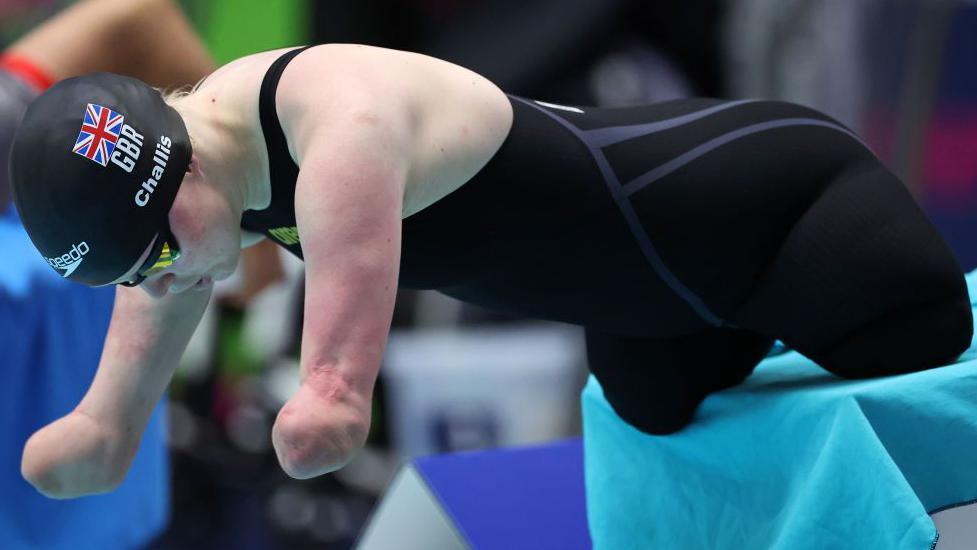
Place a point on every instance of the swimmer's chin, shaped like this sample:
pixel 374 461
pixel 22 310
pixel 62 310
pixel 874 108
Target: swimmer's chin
pixel 203 284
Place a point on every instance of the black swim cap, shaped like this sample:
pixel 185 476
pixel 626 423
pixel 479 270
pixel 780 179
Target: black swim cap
pixel 95 167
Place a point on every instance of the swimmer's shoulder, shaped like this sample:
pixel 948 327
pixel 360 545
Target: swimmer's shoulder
pixel 327 70
pixel 242 75
pixel 320 66
pixel 457 118
pixel 328 78
pixel 315 85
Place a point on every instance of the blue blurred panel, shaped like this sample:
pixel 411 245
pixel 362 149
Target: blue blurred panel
pixel 949 182
pixel 530 498
pixel 959 228
pixel 51 335
pixel 959 78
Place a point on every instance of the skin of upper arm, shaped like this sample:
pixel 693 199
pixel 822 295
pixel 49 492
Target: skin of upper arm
pixel 349 198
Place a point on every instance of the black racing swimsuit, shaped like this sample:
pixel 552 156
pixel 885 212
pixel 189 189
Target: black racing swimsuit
pixel 685 236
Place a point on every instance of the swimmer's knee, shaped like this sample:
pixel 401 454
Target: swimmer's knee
pixel 666 424
pixel 922 316
pixel 908 340
pixel 644 392
pixel 656 385
pixel 650 415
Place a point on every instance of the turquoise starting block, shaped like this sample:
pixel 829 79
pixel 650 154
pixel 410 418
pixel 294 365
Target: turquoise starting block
pixel 792 459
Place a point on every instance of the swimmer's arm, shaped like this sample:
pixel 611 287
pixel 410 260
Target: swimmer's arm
pixel 90 449
pixel 161 47
pixel 349 200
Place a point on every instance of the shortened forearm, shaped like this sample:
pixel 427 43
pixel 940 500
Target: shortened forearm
pixel 145 341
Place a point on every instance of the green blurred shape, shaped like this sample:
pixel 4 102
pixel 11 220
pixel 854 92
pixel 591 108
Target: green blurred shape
pixel 235 28
pixel 235 355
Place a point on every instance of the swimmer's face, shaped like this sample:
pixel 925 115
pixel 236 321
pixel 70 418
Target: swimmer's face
pixel 208 234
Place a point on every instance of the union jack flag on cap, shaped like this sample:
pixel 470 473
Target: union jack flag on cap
pixel 99 131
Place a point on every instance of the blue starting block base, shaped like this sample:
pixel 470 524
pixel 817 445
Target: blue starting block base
pixel 530 498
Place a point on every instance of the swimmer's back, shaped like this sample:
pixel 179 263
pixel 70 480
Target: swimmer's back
pixel 458 118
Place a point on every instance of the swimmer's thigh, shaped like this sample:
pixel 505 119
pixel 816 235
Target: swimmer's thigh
pixel 783 223
pixel 863 283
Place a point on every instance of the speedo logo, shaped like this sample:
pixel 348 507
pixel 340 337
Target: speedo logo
pixel 70 261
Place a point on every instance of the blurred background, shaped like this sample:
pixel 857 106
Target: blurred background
pixel 899 72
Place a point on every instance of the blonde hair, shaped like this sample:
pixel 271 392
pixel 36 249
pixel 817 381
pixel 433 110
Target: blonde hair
pixel 175 96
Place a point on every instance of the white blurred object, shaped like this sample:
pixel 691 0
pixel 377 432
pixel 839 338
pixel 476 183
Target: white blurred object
pixel 198 356
pixel 249 429
pixel 435 309
pixel 461 388
pixel 291 508
pixel 269 322
pixel 805 51
pixel 182 433
pixel 636 74
pixel 281 381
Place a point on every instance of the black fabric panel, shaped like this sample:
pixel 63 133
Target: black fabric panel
pixel 537 233
pixel 719 221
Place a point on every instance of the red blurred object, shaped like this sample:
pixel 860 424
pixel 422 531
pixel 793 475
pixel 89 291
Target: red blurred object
pixel 950 161
pixel 26 70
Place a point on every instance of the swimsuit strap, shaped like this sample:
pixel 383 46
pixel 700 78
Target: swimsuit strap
pixel 281 168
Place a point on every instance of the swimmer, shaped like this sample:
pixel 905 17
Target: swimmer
pixel 684 236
